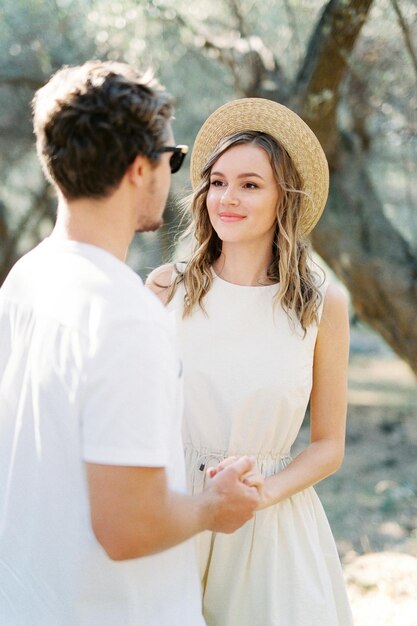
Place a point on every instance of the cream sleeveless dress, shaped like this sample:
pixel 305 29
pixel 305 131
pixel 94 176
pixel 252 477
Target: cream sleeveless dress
pixel 248 379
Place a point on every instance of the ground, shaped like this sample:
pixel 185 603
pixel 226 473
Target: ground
pixel 371 502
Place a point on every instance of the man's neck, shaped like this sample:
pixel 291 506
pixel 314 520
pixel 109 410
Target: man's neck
pixel 96 222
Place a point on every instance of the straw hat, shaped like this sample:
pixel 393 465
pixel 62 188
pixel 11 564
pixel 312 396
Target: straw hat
pixel 287 128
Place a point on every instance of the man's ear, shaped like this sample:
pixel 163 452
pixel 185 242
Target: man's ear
pixel 139 171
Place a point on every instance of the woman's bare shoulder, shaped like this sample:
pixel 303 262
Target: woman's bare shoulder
pixel 335 317
pixel 160 279
pixel 335 300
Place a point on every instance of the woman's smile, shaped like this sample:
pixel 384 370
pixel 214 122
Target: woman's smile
pixel 228 216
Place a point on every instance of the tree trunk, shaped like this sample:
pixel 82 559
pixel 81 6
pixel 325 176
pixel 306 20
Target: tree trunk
pixel 316 93
pixel 370 256
pixel 378 266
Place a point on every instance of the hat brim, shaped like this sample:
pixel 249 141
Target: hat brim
pixel 259 114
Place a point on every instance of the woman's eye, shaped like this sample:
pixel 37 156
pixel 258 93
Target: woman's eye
pixel 250 186
pixel 216 183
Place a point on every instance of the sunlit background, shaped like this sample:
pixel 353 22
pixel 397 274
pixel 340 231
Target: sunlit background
pixel 365 113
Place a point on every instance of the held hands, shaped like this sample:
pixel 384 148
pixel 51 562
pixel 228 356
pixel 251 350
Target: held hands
pixel 234 492
pixel 252 478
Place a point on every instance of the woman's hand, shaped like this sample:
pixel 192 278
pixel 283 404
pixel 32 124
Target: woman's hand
pixel 253 478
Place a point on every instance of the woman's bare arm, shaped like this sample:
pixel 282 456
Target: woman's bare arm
pixel 328 407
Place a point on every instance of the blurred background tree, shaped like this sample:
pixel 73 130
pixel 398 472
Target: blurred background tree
pixel 348 67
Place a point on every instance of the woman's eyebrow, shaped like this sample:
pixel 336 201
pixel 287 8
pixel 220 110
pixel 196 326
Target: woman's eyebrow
pixel 243 175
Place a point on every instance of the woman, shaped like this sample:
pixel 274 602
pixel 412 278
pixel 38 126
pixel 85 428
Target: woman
pixel 262 335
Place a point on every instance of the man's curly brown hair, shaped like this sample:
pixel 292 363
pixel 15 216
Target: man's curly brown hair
pixel 91 121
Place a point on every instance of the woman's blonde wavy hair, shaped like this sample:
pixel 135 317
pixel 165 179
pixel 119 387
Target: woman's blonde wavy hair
pixel 291 266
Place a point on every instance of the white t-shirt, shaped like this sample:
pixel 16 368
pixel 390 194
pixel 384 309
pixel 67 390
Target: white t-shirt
pixel 88 372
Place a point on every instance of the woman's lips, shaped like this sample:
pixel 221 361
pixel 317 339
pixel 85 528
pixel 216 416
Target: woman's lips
pixel 226 216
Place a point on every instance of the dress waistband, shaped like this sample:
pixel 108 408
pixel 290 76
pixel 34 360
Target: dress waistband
pixel 199 460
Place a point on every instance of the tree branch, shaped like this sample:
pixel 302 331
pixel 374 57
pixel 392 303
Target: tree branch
pixel 236 10
pixel 29 221
pixel 292 21
pixel 319 79
pixel 406 33
pixel 22 81
pixel 254 69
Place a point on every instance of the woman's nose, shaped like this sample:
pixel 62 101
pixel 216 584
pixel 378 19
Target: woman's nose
pixel 229 196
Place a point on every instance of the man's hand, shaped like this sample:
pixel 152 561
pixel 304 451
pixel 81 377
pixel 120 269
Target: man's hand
pixel 231 502
pixel 134 513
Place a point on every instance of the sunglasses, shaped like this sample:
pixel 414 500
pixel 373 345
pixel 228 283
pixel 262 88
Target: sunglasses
pixel 177 158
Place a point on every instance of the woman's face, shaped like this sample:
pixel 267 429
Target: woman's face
pixel 243 196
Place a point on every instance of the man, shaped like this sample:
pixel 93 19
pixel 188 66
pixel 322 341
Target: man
pixel 91 467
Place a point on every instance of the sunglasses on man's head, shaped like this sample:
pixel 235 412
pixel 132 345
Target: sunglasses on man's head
pixel 177 158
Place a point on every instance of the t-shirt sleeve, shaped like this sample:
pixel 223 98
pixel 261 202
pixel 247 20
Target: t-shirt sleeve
pixel 130 397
